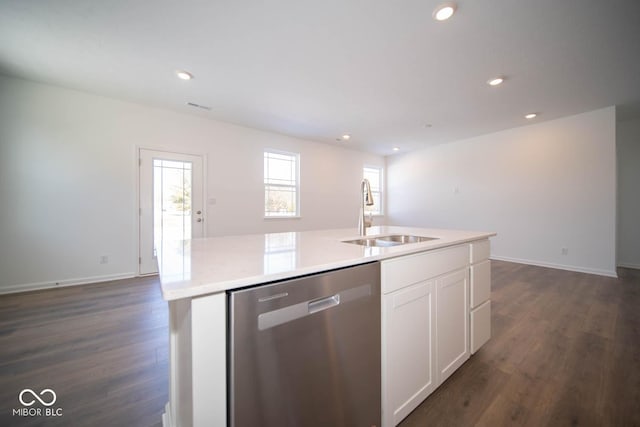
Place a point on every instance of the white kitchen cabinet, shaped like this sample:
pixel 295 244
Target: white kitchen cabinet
pixel 425 326
pixel 409 333
pixel 397 273
pixel 480 303
pixel 480 326
pixel 452 302
pixel 480 283
pixel 479 251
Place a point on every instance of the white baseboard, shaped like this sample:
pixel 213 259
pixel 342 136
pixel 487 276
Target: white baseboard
pixel 627 265
pixel 11 289
pixel 597 271
pixel 166 416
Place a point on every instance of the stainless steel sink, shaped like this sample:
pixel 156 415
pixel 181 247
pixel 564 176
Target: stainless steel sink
pixel 405 238
pixel 387 241
pixel 372 241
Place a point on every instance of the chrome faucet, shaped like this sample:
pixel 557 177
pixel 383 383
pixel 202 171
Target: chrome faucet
pixel 366 199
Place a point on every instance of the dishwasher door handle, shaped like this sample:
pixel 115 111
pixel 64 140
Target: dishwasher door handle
pixel 306 308
pixel 323 303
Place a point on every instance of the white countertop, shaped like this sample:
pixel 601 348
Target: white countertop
pixel 205 266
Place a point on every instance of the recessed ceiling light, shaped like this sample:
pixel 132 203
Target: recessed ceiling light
pixel 184 75
pixel 396 148
pixel 346 136
pixel 495 81
pixel 444 11
pixel 531 116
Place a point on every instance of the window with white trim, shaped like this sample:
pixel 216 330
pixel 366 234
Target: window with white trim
pixel 374 175
pixel 281 184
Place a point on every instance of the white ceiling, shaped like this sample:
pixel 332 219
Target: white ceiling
pixel 377 69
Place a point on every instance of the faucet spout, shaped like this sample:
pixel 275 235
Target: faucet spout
pixel 366 198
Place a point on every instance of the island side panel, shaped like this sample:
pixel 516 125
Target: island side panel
pixel 178 411
pixel 209 360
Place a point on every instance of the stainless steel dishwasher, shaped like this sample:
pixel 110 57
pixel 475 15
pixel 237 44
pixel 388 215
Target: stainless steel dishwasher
pixel 306 352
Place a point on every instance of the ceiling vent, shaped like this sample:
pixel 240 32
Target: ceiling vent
pixel 204 107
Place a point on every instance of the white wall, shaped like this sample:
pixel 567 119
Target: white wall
pixel 542 187
pixel 68 181
pixel 628 146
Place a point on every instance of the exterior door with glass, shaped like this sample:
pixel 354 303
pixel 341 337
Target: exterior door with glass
pixel 171 202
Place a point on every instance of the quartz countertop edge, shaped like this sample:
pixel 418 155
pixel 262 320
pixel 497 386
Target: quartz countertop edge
pixel 217 264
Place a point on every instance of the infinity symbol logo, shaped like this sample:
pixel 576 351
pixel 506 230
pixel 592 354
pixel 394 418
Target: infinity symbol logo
pixel 36 397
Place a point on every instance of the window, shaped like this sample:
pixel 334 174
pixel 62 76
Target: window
pixel 281 184
pixel 374 175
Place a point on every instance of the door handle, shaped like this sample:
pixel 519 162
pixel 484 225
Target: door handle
pixel 199 219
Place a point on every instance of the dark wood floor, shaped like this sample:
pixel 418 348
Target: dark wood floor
pixel 103 349
pixel 565 351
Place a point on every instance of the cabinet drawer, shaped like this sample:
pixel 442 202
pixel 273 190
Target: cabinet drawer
pixel 480 250
pixel 406 270
pixel 480 283
pixel 480 326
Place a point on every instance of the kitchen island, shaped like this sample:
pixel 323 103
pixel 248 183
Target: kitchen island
pixel 195 276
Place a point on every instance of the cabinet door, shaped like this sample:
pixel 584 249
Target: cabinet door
pixel 453 322
pixel 408 359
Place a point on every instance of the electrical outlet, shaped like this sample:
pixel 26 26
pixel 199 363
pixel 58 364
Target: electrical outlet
pixel 565 251
pixel 104 259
